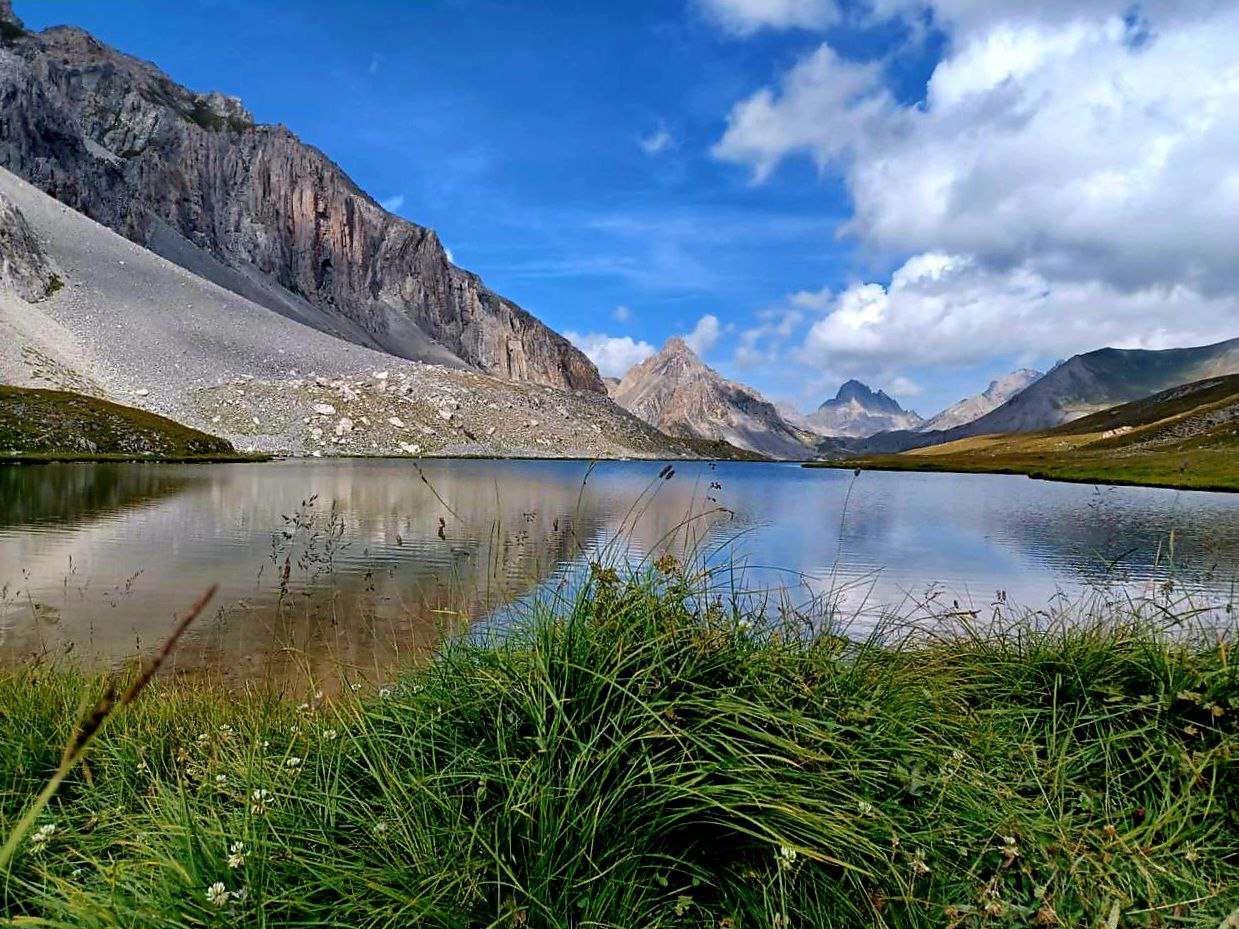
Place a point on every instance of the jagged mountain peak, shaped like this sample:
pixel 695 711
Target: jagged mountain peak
pixel 854 391
pixel 857 411
pixel 683 396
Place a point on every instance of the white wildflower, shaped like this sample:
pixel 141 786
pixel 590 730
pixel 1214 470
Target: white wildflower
pixel 217 895
pixel 258 801
pixel 236 855
pixel 221 780
pixel 293 763
pixel 380 829
pixel 330 735
pixel 786 857
pixel 42 837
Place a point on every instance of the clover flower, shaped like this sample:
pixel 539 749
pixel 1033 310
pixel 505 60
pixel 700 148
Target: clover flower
pixel 217 895
pixel 42 837
pixel 236 855
pixel 786 857
pixel 258 801
pixel 330 735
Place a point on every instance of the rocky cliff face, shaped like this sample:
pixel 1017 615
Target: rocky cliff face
pixel 1000 390
pixel 857 411
pixel 25 267
pixel 675 391
pixel 118 140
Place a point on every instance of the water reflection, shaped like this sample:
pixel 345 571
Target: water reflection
pixel 365 563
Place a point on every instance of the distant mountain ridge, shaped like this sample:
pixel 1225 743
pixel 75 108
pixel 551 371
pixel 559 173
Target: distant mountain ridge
pixel 970 409
pixel 252 208
pixel 1080 386
pixel 857 411
pixel 681 395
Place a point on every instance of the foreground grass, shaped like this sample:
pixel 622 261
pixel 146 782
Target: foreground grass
pixel 636 759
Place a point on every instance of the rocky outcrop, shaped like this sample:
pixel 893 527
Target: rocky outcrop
pixel 118 140
pixel 24 267
pixel 856 411
pixel 969 409
pixel 677 392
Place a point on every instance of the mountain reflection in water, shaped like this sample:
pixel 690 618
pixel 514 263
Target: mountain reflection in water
pixel 384 556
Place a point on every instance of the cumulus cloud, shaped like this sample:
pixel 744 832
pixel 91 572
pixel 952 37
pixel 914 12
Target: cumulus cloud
pixel 1068 180
pixel 941 309
pixel 622 314
pixel 393 203
pixel 613 355
pixel 744 17
pixel 705 334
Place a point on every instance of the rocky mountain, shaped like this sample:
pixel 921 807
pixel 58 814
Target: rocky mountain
pixel 681 395
pixel 126 325
pixel 192 177
pixel 857 411
pixel 1098 380
pixel 1000 390
pixel 1080 386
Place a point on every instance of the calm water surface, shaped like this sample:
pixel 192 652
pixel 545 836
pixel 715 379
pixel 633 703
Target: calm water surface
pixel 382 559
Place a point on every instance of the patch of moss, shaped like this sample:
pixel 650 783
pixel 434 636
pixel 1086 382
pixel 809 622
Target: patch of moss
pixel 58 425
pixel 54 285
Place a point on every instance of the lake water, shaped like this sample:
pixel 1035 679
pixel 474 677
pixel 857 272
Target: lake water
pixel 384 556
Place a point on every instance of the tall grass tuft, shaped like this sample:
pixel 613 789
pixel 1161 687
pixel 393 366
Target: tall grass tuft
pixel 648 753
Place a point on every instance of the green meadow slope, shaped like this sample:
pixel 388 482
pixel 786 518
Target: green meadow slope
pixel 1187 437
pixel 58 425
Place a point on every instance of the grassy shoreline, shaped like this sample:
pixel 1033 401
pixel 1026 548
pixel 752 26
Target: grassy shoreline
pixel 1106 473
pixel 645 756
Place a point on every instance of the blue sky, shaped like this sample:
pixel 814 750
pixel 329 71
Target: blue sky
pixel 623 170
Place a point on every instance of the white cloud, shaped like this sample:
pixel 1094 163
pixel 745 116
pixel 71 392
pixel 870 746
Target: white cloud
pixel 622 314
pixel 705 334
pixel 947 310
pixel 744 17
pixel 822 107
pixel 904 387
pixel 657 141
pixel 613 355
pixel 448 252
pixel 1069 180
pixel 393 203
pixel 764 343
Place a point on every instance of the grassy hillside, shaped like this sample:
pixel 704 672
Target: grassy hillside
pixel 57 425
pixel 645 756
pixel 1187 437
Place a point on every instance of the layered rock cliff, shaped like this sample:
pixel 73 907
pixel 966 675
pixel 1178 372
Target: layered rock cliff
pixel 118 140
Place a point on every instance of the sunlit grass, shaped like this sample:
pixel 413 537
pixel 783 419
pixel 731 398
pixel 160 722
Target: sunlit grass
pixel 647 754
